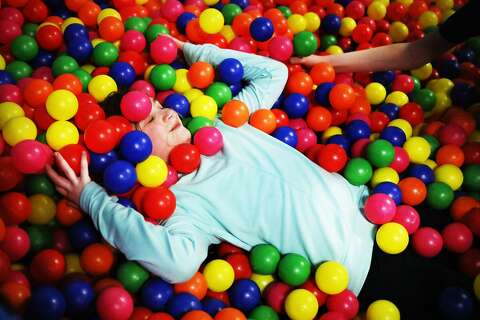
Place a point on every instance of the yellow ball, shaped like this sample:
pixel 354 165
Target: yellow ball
pixel 384 2
pixel 423 73
pixel 43 209
pixel 60 134
pixel 444 85
pixel 181 83
pixel 88 67
pixel 146 76
pixel 62 104
pixel 447 14
pixel 476 286
pixel 312 21
pixel 9 110
pixel 210 2
pixel 406 3
pixel 101 86
pixel 331 132
pixel 392 238
pixel 141 2
pixel 376 10
pixel 193 94
pixel 108 12
pixel 444 4
pixel 375 92
pixel 385 174
pixel 219 275
pixel 449 174
pixel 211 21
pixel 428 19
pixel 346 26
pixel 204 106
pixel 301 304
pixel 334 50
pixel 297 23
pixel 398 31
pixel 2 63
pixel 402 124
pixel 19 129
pixel 442 103
pixel 151 172
pixel 418 149
pixel 69 21
pixel 331 277
pixel 397 97
pixel 382 310
pixel 262 280
pixel 430 163
pixel 228 33
pixel 72 262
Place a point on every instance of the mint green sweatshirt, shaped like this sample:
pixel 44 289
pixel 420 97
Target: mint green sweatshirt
pixel 255 190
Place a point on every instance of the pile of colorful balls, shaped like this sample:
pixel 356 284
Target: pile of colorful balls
pixel 411 136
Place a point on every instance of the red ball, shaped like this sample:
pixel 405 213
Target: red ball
pixel 412 112
pixel 225 249
pixel 378 120
pixel 114 303
pixel 275 295
pixel 362 33
pixel 16 243
pixel 345 302
pixel 472 220
pixel 241 265
pixel 471 151
pixel 10 30
pixel 159 203
pixel 4 266
pixel 49 37
pixel 48 266
pixel 332 315
pixel 185 158
pixel 332 158
pixel 72 153
pixel 9 175
pixel 140 313
pixel 121 126
pixel 100 136
pixel 311 286
pixel 457 237
pixel 427 242
pixel 469 262
pixel 355 9
pixel 408 217
pixel 15 208
pixel 452 134
pixel 342 97
pixel 403 82
pixel 88 113
pixel 401 160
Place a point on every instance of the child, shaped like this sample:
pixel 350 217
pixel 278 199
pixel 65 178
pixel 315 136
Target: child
pixel 256 190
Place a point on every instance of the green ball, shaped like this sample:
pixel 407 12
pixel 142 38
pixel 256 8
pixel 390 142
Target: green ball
pixel 358 171
pixel 64 64
pixel 186 121
pixel 294 269
pixel 147 20
pixel 24 48
pixel 53 224
pixel 40 238
pixel 132 276
pixel 197 123
pixel 474 195
pixel 263 313
pixel 220 92
pixel 285 11
pixel 163 77
pixel 39 183
pixel 136 23
pixel 471 177
pixel 425 98
pixel 439 195
pixel 304 43
pixel 327 40
pixel 230 11
pixel 433 142
pixel 380 153
pixel 42 137
pixel 84 78
pixel 105 54
pixel 417 84
pixel 474 43
pixel 19 70
pixel 264 259
pixel 30 29
pixel 154 31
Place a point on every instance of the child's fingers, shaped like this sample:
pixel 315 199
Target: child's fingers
pixel 296 60
pixel 66 168
pixel 84 167
pixel 58 180
pixel 61 190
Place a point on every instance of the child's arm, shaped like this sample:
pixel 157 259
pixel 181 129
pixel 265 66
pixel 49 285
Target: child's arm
pixel 266 77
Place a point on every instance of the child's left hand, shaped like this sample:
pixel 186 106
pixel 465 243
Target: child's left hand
pixel 72 186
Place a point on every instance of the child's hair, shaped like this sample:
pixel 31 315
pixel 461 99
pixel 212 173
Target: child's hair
pixel 111 105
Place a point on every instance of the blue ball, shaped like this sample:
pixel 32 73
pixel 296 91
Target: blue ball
pixel 219 6
pixel 448 68
pixel 127 203
pixel 155 294
pixel 43 59
pixel 6 314
pixel 62 12
pixel 242 3
pixel 82 234
pixel 75 31
pixel 422 172
pixel 123 74
pixel 178 64
pixel 135 146
pixel 394 135
pixel 80 49
pixel 235 88
pixel 179 103
pixel 279 101
pixel 390 109
pixel 46 302
pixel 296 105
pixel 391 189
pixel 100 161
pixel 244 295
pixel 456 304
pixel 213 306
pixel 322 92
pixel 357 129
pixel 261 29
pixel 462 94
pixel 286 135
pixel 79 296
pixel 52 4
pixel 466 54
pixel 5 77
pixel 341 140
pixel 230 71
pixel 119 177
pixel 183 303
pixel 183 20
pixel 385 77
pixel 331 23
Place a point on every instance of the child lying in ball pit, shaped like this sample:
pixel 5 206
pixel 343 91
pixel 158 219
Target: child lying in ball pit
pixel 256 190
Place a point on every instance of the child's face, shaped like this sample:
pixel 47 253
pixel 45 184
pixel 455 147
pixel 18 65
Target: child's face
pixel 165 129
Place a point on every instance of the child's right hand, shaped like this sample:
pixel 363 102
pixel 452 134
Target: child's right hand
pixel 309 61
pixel 72 186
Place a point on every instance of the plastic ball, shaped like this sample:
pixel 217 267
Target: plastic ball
pixel 155 294
pixel 439 195
pixel 9 110
pixel 114 303
pixel 135 106
pixel 380 153
pixel 119 177
pixel 331 277
pixel 209 140
pixel 332 157
pixel 204 106
pixel 163 50
pixel 280 48
pixel 261 29
pixel 382 310
pixel 418 149
pixel 379 208
pixel 62 104
pixel 230 71
pixel 152 172
pixel 101 86
pixel 30 156
pixel 301 304
pixel 244 295
pixel 211 21
pixel 455 303
pixel 18 129
pixel 219 275
pixel 163 77
pixel 135 146
pixel 235 113
pixel 132 276
pixel 457 237
pixel 47 302
pixel 304 43
pixel 79 295
pixel 358 171
pixel 341 97
pixel 100 136
pixel 449 174
pixel 294 269
pixel 392 238
pixel 230 314
pixel 24 48
pixel 61 133
pixel 408 217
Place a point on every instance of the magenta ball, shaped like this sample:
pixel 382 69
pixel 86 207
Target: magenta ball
pixel 452 134
pixel 408 217
pixel 280 48
pixel 427 242
pixel 171 9
pixel 10 93
pixel 198 3
pixel 379 208
pixel 29 156
pixel 306 139
pixel 240 44
pixel 209 140
pixel 172 177
pixel 333 315
pixel 358 147
pixel 297 124
pixel 133 40
pixel 345 302
pixel 143 86
pixel 135 106
pixel 457 237
pixel 163 50
pixel 114 303
pixel 400 160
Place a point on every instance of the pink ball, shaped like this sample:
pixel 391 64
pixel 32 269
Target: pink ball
pixel 172 177
pixel 135 106
pixel 44 73
pixel 427 242
pixel 306 139
pixel 280 48
pixel 457 237
pixel 133 40
pixel 209 140
pixel 171 9
pixel 114 303
pixel 10 30
pixel 197 3
pixel 163 50
pixel 345 302
pixel 10 92
pixel 408 217
pixel 359 147
pixel 379 208
pixel 297 124
pixel 333 315
pixel 240 44
pixel 452 134
pixel 400 161
pixel 143 86
pixel 29 156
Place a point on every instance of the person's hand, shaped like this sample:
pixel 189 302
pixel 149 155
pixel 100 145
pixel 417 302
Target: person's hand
pixel 308 61
pixel 72 186
pixel 179 43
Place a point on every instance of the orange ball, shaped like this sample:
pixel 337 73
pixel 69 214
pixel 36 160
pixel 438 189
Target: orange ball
pixel 201 74
pixel 433 127
pixel 196 286
pixel 66 214
pixel 36 92
pixel 241 24
pixel 160 316
pixel 451 154
pixel 361 105
pixel 413 191
pixel 300 82
pixel 196 315
pixel 96 259
pixel 319 118
pixel 264 120
pixel 462 205
pixel 342 97
pixel 298 6
pixel 111 29
pixel 322 72
pixel 68 82
pixel 194 33
pixel 88 13
pixel 14 294
pixel 230 314
pixel 235 113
